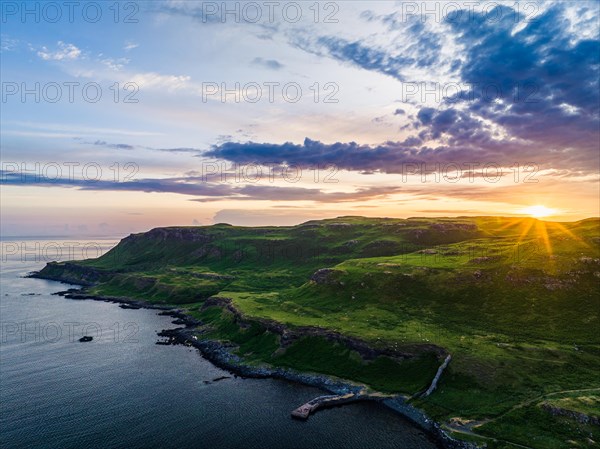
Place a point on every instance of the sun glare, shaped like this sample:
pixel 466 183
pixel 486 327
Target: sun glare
pixel 539 211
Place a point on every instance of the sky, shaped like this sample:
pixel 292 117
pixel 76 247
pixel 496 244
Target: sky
pixel 120 117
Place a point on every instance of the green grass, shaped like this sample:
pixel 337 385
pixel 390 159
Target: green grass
pixel 255 343
pixel 515 301
pixel 534 427
pixel 317 354
pixel 383 374
pixel 589 404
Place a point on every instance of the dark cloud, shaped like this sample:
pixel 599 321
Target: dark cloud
pixel 545 106
pixel 205 191
pixel 420 46
pixel 116 146
pixel 532 95
pixel 267 31
pixel 271 64
pixel 126 146
pixel 547 83
pixel 181 185
pixel 196 151
pixel 366 57
pixel 398 157
pixel 421 41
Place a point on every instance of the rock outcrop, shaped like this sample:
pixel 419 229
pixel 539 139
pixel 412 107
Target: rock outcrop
pixel 326 276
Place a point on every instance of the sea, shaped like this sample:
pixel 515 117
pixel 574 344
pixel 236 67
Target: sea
pixel 122 390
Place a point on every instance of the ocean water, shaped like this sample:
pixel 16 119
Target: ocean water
pixel 123 390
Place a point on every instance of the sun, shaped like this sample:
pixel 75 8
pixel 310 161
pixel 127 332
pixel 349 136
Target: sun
pixel 539 211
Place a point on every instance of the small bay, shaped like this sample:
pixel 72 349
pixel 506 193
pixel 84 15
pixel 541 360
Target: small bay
pixel 123 390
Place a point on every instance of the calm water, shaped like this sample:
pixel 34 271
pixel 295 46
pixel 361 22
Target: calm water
pixel 123 390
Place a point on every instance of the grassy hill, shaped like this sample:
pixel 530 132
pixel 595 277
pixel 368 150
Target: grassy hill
pixel 515 301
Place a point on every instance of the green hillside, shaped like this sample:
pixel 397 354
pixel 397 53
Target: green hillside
pixel 516 302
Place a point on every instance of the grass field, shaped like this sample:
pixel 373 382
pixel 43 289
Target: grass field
pixel 515 301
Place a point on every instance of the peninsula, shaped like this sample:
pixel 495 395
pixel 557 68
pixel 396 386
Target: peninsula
pixel 483 330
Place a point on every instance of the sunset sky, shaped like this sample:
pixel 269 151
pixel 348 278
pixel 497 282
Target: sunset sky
pixel 181 113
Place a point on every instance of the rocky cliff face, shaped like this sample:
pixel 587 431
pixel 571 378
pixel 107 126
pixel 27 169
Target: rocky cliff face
pixel 169 234
pixel 289 335
pixel 72 273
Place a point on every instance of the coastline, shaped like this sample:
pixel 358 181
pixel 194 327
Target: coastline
pixel 219 355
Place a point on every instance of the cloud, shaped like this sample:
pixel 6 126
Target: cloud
pixel 126 146
pixel 117 146
pixel 7 43
pixel 115 64
pixel 271 64
pixel 365 57
pixel 267 31
pixel 407 45
pixel 81 130
pixel 111 69
pixel 181 185
pixel 206 191
pixel 272 193
pixel 531 95
pixel 156 80
pixel 64 52
pixel 196 151
pixel 546 84
pixel 192 10
pixel 395 157
pixel 130 45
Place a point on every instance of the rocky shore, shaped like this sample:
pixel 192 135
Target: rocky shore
pixel 220 355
